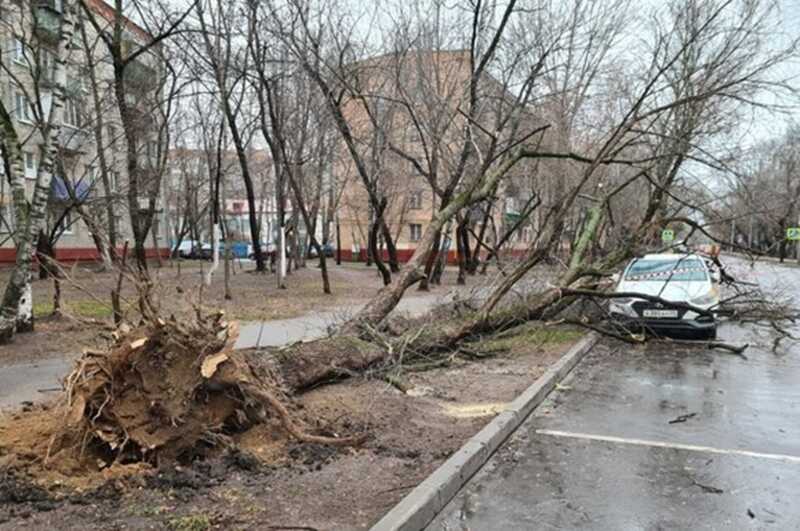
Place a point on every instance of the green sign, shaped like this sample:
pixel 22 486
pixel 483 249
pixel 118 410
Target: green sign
pixel 793 233
pixel 667 235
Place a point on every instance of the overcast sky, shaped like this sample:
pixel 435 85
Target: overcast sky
pixel 769 124
pixel 765 123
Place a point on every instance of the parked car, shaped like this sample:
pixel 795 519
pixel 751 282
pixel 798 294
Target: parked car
pixel 682 278
pixel 189 249
pixel 206 251
pixel 327 249
pixel 267 249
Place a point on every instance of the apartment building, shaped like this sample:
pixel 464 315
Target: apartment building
pixel 90 170
pixel 414 101
pixel 188 186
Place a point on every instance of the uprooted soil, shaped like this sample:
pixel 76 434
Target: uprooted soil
pixel 259 476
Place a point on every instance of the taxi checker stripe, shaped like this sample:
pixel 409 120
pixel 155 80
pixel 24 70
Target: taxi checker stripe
pixel 667 273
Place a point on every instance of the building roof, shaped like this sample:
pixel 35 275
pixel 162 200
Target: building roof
pixel 109 14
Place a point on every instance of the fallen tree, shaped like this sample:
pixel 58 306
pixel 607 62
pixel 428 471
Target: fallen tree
pixel 163 392
pixel 168 390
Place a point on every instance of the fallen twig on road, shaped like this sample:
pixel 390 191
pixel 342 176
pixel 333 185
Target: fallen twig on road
pixel 711 345
pixel 682 418
pixel 708 488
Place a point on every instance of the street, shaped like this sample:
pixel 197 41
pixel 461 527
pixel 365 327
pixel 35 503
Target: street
pixel 658 437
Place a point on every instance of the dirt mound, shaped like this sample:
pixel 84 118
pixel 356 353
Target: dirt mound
pixel 164 392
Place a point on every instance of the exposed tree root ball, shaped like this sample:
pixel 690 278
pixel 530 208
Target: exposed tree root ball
pixel 163 392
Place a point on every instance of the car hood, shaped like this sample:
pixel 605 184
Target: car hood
pixel 675 291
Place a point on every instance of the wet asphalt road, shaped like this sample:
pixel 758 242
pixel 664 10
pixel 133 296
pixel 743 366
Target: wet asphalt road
pixel 601 453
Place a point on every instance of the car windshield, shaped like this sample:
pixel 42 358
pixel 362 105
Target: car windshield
pixel 690 269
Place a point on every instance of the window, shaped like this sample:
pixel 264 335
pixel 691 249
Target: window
pixel 416 232
pixel 22 107
pixel 30 165
pixel 47 104
pixel 7 215
pixel 152 151
pixel 18 50
pixel 415 200
pixel 685 270
pixel 47 66
pixel 77 44
pixel 72 112
pixel 65 222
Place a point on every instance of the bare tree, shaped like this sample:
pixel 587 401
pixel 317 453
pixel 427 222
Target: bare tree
pixel 145 85
pixel 227 63
pixel 39 94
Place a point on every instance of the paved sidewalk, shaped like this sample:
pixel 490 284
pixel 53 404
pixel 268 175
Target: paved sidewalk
pixel 31 382
pixel 311 326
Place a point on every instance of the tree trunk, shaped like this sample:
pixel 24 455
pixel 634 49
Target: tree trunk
pixel 107 249
pixel 338 244
pixel 282 266
pixel 16 314
pixel 430 262
pixel 474 263
pixel 386 275
pixel 215 231
pixel 385 301
pixel 56 295
pixel 44 250
pixel 441 259
pixel 391 248
pixel 228 295
pixel 154 237
pixel 462 249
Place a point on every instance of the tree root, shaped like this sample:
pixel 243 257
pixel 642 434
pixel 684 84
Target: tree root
pixel 291 427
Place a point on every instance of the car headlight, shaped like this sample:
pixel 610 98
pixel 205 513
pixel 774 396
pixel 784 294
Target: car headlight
pixel 705 300
pixel 621 301
pixel 622 306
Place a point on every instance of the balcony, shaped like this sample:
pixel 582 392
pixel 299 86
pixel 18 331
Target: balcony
pixel 56 6
pixel 73 87
pixel 141 76
pixel 74 140
pixel 47 21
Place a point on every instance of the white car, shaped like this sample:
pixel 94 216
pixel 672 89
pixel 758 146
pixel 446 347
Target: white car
pixel 188 248
pixel 680 278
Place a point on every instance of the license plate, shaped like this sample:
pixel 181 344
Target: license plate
pixel 661 314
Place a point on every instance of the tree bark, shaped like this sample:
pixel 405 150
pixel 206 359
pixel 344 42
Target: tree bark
pixel 386 275
pixel 391 248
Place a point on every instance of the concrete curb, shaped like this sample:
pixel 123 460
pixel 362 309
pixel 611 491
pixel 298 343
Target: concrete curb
pixel 422 504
